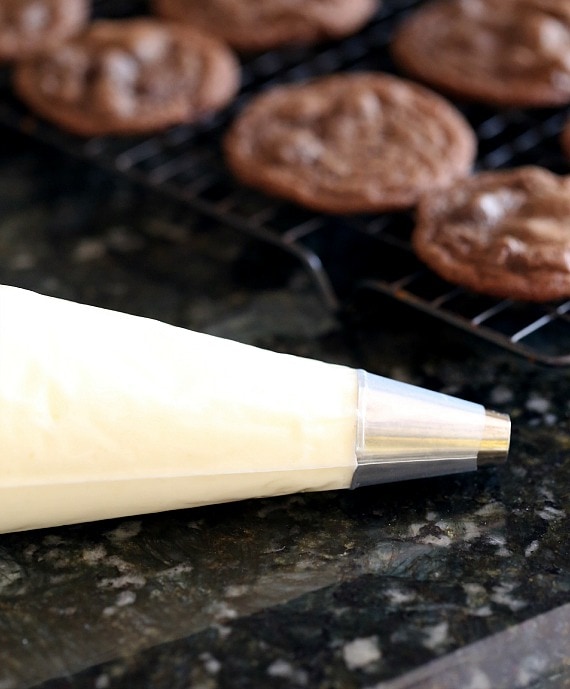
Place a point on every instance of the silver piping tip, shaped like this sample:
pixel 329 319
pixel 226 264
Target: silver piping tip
pixel 407 432
pixel 496 439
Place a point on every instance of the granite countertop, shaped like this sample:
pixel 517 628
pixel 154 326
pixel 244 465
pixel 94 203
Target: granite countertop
pixel 451 582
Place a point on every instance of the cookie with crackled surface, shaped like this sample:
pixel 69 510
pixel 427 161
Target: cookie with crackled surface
pixel 28 27
pixel 254 25
pixel 350 143
pixel 129 76
pixel 499 52
pixel 504 233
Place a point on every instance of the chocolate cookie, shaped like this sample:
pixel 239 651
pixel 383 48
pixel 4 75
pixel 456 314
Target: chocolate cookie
pixel 350 143
pixel 129 76
pixel 28 27
pixel 503 233
pixel 251 25
pixel 499 52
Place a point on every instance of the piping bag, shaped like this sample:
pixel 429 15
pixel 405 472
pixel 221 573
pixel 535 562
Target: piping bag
pixel 104 414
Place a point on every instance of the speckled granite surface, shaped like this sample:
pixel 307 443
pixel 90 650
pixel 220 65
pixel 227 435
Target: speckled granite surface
pixel 393 586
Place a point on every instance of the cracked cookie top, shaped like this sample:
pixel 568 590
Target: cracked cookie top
pixel 349 143
pixel 504 53
pixel 504 233
pixel 129 76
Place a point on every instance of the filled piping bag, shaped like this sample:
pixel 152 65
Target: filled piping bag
pixel 104 414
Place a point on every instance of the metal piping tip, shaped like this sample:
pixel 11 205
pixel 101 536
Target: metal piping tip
pixel 408 432
pixel 496 439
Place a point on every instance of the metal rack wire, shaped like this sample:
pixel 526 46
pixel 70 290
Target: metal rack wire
pixel 342 255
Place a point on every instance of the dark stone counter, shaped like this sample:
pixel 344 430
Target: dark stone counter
pixel 452 582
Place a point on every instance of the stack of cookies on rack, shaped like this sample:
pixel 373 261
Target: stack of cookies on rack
pixel 372 142
pixel 346 143
pixel 504 233
pixel 176 65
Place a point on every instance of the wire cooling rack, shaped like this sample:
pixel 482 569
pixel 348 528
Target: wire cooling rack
pixel 344 256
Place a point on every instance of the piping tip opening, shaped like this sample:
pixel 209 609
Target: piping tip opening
pixel 496 439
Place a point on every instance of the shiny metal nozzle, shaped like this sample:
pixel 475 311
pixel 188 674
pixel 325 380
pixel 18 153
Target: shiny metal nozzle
pixel 408 432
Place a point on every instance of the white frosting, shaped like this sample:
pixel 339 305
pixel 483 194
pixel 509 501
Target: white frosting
pixel 104 414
